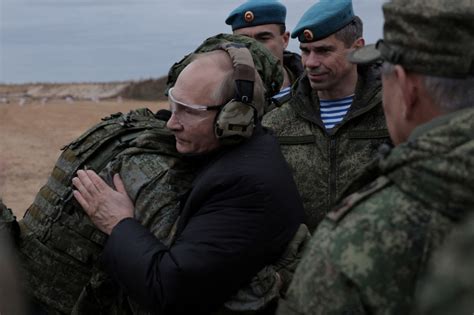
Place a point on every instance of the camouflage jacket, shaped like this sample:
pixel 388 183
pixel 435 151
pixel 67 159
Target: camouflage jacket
pixel 368 256
pixel 294 68
pixel 449 286
pixel 323 163
pixel 60 247
pixel 292 63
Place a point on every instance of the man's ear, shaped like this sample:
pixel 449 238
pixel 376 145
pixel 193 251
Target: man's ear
pixel 359 42
pixel 408 86
pixel 286 39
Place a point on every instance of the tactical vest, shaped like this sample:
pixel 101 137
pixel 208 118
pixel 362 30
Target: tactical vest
pixel 60 246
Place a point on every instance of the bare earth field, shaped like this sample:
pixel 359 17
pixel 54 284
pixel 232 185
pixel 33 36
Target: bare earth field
pixel 32 134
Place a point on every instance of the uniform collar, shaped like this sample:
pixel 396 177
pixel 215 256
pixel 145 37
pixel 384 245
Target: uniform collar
pixel 435 123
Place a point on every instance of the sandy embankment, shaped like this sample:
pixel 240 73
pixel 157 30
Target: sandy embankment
pixel 34 128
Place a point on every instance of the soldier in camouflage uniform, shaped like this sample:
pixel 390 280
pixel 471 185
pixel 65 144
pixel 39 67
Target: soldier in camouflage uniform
pixel 325 156
pixel 449 286
pixel 370 254
pixel 265 22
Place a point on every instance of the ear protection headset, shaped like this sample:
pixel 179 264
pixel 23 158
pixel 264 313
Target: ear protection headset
pixel 238 117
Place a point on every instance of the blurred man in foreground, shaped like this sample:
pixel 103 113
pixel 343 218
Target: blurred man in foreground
pixel 370 253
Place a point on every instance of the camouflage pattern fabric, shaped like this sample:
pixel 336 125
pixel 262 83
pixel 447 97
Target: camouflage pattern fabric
pixel 59 245
pixel 449 286
pixel 323 163
pixel 271 282
pixel 266 64
pixel 293 65
pixel 368 255
pixel 432 41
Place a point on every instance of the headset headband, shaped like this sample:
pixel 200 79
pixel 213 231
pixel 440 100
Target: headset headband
pixel 244 71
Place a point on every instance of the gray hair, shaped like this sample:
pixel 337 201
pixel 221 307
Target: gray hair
pixel 387 68
pixel 227 88
pixel 449 94
pixel 351 32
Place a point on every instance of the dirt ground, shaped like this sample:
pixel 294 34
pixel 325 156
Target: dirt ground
pixel 32 134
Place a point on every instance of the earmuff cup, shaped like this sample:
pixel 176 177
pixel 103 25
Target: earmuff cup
pixel 237 118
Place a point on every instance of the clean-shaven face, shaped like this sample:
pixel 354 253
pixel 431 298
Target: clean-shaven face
pixel 325 62
pixel 269 35
pixel 193 126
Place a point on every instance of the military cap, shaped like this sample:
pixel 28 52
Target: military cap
pixel 257 12
pixel 433 37
pixel 323 19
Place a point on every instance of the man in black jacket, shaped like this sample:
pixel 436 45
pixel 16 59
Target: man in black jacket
pixel 242 210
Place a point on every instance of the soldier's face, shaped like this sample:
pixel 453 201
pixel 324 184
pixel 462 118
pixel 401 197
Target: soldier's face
pixel 326 64
pixel 269 35
pixel 194 128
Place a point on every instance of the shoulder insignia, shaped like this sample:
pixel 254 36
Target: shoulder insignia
pixel 350 201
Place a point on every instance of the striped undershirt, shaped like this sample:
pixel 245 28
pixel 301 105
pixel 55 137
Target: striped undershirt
pixel 334 111
pixel 282 93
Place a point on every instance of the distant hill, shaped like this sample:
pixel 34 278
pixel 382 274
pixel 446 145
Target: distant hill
pixel 150 89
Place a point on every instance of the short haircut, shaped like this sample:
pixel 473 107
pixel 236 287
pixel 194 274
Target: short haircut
pixel 282 29
pixel 226 90
pixel 449 94
pixel 351 32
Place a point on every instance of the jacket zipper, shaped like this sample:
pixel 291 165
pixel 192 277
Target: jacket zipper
pixel 332 170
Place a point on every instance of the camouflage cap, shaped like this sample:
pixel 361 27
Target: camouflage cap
pixel 267 65
pixel 434 37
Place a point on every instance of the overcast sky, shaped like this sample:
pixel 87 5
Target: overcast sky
pixel 109 40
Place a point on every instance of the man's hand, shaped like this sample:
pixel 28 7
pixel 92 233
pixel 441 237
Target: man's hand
pixel 105 206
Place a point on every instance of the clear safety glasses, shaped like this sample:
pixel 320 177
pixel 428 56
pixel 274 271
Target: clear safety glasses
pixel 189 113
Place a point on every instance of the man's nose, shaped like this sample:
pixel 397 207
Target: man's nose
pixel 173 123
pixel 312 60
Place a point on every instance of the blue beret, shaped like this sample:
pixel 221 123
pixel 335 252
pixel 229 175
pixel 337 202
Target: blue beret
pixel 257 12
pixel 323 19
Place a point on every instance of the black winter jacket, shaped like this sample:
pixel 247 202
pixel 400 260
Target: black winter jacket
pixel 240 214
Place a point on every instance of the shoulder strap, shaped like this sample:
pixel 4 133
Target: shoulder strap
pixel 350 201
